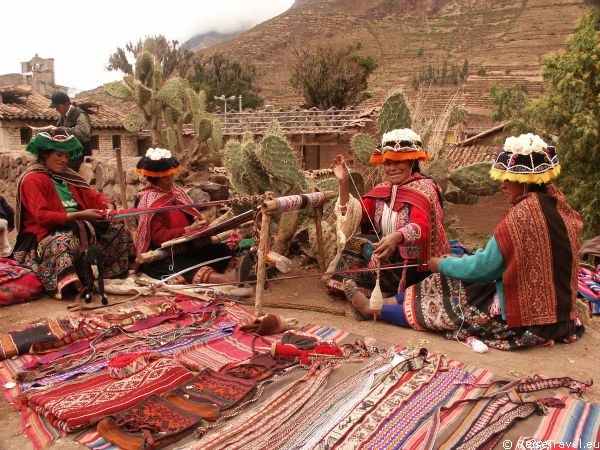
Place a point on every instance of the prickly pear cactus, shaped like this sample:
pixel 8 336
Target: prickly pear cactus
pixel 438 170
pixel 394 114
pixel 278 157
pixel 363 146
pixel 166 106
pixel 475 179
pixel 234 163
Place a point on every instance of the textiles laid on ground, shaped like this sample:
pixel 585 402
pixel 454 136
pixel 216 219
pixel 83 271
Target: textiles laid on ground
pixel 588 285
pixel 152 372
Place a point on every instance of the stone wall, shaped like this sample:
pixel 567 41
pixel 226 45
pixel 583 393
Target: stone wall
pixel 101 172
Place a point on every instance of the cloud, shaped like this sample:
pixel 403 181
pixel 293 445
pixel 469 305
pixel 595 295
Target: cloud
pixel 81 35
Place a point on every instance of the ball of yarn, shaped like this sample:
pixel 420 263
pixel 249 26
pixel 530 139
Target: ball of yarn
pixel 477 346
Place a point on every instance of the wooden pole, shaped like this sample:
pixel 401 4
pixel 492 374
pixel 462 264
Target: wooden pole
pixel 122 185
pixel 262 257
pixel 319 233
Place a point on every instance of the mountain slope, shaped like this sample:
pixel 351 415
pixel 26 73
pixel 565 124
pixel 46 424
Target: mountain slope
pixel 507 38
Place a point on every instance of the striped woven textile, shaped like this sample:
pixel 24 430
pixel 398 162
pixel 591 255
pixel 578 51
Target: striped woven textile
pixel 577 424
pixel 588 285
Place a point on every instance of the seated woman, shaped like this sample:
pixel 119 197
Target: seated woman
pixel 159 167
pixel 521 289
pixel 401 219
pixel 56 212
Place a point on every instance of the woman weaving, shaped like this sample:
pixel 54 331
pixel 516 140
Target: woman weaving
pixel 521 289
pixel 401 219
pixel 57 213
pixel 159 167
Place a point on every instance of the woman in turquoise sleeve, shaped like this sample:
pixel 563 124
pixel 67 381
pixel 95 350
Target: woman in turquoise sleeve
pixel 520 290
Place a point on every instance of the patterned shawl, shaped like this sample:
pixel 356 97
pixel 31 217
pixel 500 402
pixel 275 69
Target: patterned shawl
pixel 151 196
pixel 69 176
pixel 422 192
pixel 539 240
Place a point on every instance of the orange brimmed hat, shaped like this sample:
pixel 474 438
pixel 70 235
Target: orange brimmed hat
pixel 157 162
pixel 400 145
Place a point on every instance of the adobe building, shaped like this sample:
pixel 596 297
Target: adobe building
pixel 21 107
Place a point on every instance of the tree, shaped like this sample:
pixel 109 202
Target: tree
pixel 329 76
pixel 218 74
pixel 172 59
pixel 508 103
pixel 569 115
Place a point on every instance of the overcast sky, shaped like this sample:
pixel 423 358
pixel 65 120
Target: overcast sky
pixel 81 35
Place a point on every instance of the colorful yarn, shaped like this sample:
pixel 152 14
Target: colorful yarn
pixel 287 350
pixel 294 202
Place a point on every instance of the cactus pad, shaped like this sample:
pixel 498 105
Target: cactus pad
pixel 475 179
pixel 134 122
pixel 394 114
pixel 117 89
pixel 362 147
pixel 278 157
pixel 204 129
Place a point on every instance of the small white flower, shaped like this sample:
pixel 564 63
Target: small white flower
pixel 525 144
pixel 157 153
pixel 404 134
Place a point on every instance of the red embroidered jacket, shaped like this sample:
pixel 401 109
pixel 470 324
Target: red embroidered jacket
pixel 420 216
pixel 42 209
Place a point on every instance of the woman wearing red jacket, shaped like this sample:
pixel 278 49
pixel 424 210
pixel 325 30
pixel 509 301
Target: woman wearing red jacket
pixel 57 213
pixel 159 167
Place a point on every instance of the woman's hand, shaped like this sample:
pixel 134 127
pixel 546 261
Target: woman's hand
pixel 197 224
pixel 90 215
pixel 109 206
pixel 434 264
pixel 340 171
pixel 386 247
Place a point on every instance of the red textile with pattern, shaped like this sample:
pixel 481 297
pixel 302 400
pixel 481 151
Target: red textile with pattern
pixel 213 387
pixel 81 403
pixel 539 241
pixel 17 284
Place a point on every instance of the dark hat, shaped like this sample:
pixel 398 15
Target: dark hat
pixel 158 162
pixel 58 98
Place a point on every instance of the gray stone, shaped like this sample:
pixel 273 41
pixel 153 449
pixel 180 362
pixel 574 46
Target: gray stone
pixel 99 171
pixel 218 178
pixel 216 191
pixel 87 173
pixel 198 195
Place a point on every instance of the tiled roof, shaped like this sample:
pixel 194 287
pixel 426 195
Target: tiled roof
pixel 459 155
pixel 25 104
pixel 296 121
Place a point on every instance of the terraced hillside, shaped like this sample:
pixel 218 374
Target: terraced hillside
pixel 507 38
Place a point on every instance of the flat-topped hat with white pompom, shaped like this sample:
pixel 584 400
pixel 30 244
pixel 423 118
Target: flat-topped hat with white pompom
pixel 526 159
pixel 157 162
pixel 400 145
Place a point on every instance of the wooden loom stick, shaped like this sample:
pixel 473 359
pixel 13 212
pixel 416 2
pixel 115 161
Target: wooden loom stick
pixel 262 257
pixel 319 233
pixel 272 205
pixel 161 253
pixel 123 186
pixel 234 222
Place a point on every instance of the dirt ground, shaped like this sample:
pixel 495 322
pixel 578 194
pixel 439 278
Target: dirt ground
pixel 473 224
